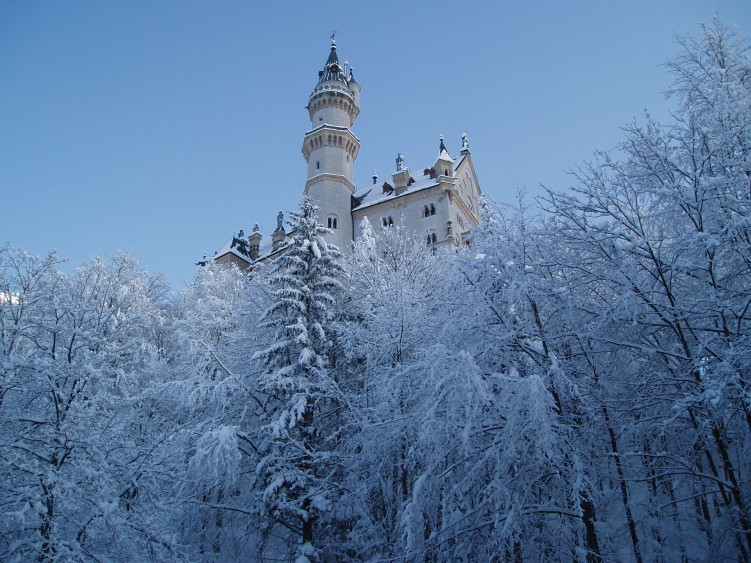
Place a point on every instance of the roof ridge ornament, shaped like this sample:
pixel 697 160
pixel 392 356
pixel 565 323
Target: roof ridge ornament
pixel 442 147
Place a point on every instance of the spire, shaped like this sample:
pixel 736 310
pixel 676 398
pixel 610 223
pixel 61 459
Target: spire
pixel 443 153
pixel 442 147
pixel 332 70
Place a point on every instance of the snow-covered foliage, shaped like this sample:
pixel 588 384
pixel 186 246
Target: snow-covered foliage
pixel 79 473
pixel 297 472
pixel 571 386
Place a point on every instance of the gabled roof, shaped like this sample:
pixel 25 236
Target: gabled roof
pixel 236 246
pixel 372 194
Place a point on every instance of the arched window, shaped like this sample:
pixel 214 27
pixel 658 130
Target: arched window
pixel 332 222
pixel 387 221
pixel 432 209
pixel 432 238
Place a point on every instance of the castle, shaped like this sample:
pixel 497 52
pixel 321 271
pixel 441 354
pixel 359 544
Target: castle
pixel 440 203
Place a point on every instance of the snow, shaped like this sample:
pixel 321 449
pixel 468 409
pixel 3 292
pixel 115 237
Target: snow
pixel 565 387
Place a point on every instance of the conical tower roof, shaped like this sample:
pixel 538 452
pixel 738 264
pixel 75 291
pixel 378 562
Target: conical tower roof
pixel 332 70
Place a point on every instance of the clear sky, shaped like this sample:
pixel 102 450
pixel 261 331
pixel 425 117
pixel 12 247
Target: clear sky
pixel 164 127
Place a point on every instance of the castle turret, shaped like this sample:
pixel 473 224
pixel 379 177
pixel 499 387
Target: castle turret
pixel 330 148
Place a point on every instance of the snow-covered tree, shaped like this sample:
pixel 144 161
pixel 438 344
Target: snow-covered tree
pixel 215 409
pixel 78 475
pixel 298 471
pixel 516 324
pixel 658 242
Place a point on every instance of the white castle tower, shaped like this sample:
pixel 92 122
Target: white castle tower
pixel 441 203
pixel 330 148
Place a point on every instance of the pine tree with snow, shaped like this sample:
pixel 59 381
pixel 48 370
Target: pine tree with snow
pixel 297 474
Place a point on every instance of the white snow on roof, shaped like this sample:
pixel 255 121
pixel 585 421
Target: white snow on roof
pixel 372 194
pixel 444 155
pixel 230 249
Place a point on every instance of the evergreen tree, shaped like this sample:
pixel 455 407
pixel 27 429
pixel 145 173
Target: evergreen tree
pixel 298 471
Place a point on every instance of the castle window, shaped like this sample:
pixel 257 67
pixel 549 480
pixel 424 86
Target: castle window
pixel 318 164
pixel 432 209
pixel 432 238
pixel 387 221
pixel 332 223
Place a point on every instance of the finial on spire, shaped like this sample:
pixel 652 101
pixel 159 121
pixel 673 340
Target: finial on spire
pixel 465 142
pixel 375 176
pixel 399 162
pixel 442 147
pixel 333 41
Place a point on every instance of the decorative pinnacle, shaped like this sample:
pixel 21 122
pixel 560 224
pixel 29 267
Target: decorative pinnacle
pixel 442 147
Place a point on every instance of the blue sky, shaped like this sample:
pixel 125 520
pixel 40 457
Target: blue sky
pixel 164 127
